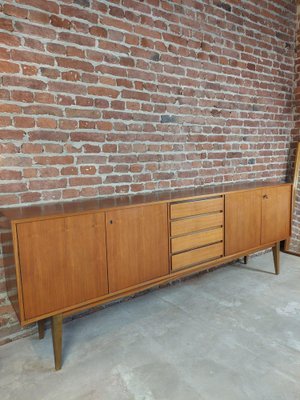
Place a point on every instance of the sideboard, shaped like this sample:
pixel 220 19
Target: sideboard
pixel 72 256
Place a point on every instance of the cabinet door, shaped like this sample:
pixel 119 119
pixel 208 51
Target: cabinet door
pixel 137 245
pixel 242 221
pixel 276 213
pixel 62 262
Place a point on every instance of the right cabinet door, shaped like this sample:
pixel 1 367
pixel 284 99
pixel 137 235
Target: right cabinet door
pixel 276 214
pixel 137 245
pixel 242 221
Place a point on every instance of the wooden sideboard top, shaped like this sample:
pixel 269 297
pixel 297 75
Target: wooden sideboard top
pixel 81 206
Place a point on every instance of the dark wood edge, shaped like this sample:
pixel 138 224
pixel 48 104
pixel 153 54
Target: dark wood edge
pixel 292 253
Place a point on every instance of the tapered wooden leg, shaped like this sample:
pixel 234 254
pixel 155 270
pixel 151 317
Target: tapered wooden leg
pixel 57 339
pixel 41 328
pixel 276 256
pixel 246 259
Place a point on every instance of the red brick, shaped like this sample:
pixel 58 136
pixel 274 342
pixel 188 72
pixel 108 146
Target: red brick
pixel 103 92
pixel 12 187
pixel 30 197
pixel 10 108
pixel 4 53
pixel 79 113
pixel 78 39
pixel 75 52
pixel 84 181
pixel 43 110
pixel 46 5
pixel 53 148
pixel 70 76
pixel 56 48
pixel 6 24
pixel 66 87
pixel 24 122
pixel 40 17
pixel 25 82
pixel 44 97
pixel 29 56
pixel 55 20
pixel 22 96
pixel 68 124
pixel 47 184
pixel 5 121
pixel 79 13
pixel 14 11
pixel 75 64
pixel 88 170
pixel 31 148
pixel 34 30
pixel 55 160
pixel 9 40
pixel 69 171
pixel 10 199
pixel 98 31
pixel 29 70
pixel 48 172
pixel 7 175
pixel 8 67
pixel 46 123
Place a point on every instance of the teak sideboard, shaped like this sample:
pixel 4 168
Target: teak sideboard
pixel 76 255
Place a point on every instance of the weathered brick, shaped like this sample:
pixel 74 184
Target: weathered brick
pixel 9 40
pixel 98 31
pixel 34 30
pixel 6 24
pixel 55 20
pixel 9 67
pixel 105 98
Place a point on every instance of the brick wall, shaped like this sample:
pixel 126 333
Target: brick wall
pixel 295 242
pixel 102 98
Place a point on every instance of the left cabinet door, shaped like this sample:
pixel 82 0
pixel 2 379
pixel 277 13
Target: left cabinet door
pixel 62 262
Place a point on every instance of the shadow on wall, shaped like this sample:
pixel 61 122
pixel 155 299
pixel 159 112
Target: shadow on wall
pixel 10 329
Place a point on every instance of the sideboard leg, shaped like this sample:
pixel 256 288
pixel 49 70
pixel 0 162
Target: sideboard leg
pixel 276 256
pixel 246 259
pixel 57 339
pixel 41 328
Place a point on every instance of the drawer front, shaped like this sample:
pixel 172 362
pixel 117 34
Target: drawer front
pixel 198 223
pixel 194 257
pixel 196 240
pixel 189 208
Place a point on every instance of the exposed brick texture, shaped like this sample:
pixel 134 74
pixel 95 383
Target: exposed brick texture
pixel 101 98
pixel 295 242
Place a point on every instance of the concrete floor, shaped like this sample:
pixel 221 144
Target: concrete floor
pixel 231 334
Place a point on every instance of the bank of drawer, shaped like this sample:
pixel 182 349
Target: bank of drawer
pixel 198 239
pixel 188 208
pixel 196 256
pixel 193 224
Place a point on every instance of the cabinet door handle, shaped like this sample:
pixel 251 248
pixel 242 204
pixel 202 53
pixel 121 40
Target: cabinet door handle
pixel 265 196
pixel 111 222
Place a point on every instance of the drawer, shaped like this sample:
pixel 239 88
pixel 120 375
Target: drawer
pixel 196 256
pixel 197 223
pixel 198 239
pixel 188 208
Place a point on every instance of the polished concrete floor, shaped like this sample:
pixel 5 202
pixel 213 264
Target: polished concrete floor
pixel 233 333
